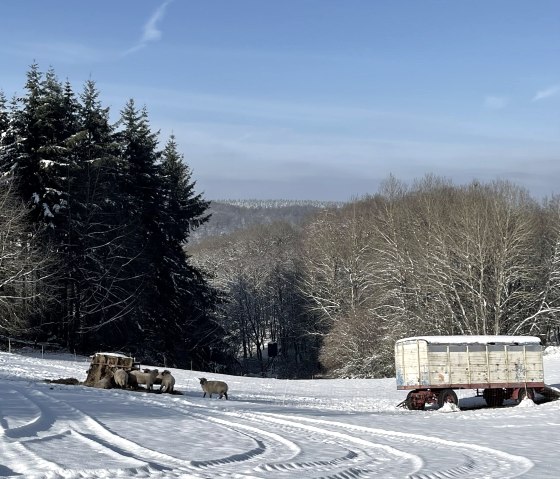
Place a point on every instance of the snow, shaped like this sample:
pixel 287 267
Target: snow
pixel 475 339
pixel 112 355
pixel 269 428
pixel 449 407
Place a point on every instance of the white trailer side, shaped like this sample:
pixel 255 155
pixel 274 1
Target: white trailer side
pixel 471 362
pixel 504 367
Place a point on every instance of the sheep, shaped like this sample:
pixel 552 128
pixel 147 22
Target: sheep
pixel 121 378
pixel 214 387
pixel 167 382
pixel 145 378
pixel 157 380
pixel 132 381
pixel 106 382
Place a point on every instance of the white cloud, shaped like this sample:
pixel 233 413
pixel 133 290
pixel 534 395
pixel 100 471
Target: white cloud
pixel 546 93
pixel 151 32
pixel 495 102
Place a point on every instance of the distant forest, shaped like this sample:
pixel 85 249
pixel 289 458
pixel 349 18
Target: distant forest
pixel 106 245
pixel 228 216
pixel 337 290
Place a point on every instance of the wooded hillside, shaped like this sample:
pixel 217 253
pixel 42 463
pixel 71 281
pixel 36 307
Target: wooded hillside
pixel 336 292
pixel 228 216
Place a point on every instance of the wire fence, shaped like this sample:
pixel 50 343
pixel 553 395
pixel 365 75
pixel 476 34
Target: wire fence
pixel 10 344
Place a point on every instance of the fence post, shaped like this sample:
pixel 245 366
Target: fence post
pixel 9 345
pixel 285 392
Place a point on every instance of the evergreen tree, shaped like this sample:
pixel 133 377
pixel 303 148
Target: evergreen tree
pixel 57 115
pixel 188 331
pixel 11 144
pixel 138 185
pixel 114 218
pixel 185 210
pixel 4 116
pixel 37 152
pixel 24 159
pixel 139 153
pixel 7 135
pixel 93 294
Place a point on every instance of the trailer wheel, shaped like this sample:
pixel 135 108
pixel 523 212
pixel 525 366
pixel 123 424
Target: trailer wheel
pixel 494 397
pixel 525 393
pixel 445 396
pixel 415 401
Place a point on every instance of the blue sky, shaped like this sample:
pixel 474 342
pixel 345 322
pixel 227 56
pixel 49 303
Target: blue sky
pixel 316 99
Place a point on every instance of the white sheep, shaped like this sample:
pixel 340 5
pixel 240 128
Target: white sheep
pixel 167 382
pixel 158 378
pixel 213 387
pixel 121 378
pixel 147 378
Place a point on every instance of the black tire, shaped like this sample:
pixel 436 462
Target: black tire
pixel 445 396
pixel 526 393
pixel 413 403
pixel 494 397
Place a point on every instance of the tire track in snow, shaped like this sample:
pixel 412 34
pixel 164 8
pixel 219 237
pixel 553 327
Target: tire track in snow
pixel 14 454
pixel 153 463
pixel 58 421
pixel 274 446
pixel 364 458
pixel 266 444
pixel 269 445
pixel 482 461
pixel 477 461
pixel 356 458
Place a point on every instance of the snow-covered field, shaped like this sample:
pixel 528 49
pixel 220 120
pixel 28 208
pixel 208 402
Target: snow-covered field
pixel 267 429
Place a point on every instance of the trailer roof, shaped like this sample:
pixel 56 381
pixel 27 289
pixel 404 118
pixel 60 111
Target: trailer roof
pixel 474 339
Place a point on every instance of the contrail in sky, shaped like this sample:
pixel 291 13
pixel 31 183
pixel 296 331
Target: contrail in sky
pixel 151 32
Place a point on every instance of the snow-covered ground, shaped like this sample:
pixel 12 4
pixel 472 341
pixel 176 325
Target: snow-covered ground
pixel 267 429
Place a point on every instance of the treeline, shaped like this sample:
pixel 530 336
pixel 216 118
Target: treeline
pixel 229 215
pixel 426 259
pixel 94 217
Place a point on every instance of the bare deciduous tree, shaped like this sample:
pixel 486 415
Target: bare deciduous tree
pixel 430 259
pixel 24 267
pixel 258 272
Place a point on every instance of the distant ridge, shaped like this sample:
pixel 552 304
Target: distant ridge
pixel 254 203
pixel 228 216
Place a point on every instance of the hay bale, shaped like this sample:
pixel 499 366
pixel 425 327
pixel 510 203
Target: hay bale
pixel 104 364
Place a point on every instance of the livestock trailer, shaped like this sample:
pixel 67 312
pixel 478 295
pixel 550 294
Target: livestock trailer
pixel 504 367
